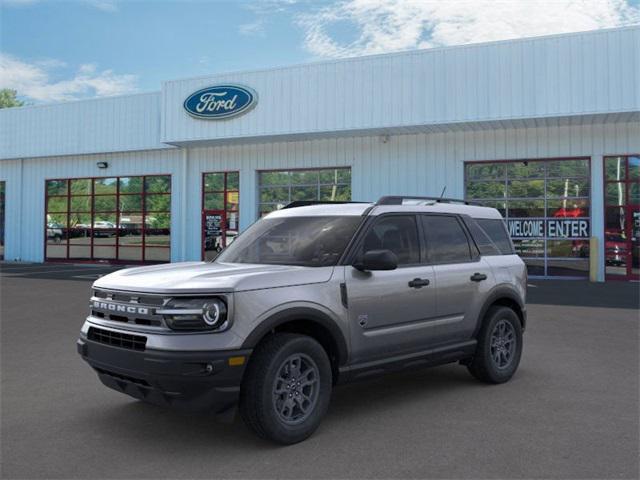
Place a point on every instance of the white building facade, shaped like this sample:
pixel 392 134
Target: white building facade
pixel 547 130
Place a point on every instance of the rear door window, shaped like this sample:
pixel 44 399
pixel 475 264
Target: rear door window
pixel 446 239
pixel 497 232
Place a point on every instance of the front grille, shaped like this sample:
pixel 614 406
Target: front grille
pixel 117 339
pixel 132 308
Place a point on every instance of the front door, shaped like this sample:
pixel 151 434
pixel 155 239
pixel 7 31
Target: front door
pixel 389 312
pixel 622 217
pixel 213 232
pixel 220 214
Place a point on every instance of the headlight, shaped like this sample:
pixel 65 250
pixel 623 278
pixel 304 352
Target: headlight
pixel 195 314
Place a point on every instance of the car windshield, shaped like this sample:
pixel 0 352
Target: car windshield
pixel 303 241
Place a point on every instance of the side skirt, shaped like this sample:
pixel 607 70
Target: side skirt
pixel 425 358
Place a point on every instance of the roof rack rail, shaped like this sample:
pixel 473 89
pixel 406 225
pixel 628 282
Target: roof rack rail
pixel 398 199
pixel 306 203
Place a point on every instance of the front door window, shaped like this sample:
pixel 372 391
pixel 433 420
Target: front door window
pixel 622 217
pixel 220 212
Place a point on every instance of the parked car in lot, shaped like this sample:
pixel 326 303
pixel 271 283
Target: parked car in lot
pixel 308 297
pixel 104 229
pixel 54 232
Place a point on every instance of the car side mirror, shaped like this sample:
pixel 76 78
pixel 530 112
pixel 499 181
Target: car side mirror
pixel 377 260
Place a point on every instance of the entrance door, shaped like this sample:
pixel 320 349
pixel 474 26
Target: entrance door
pixel 622 217
pixel 220 219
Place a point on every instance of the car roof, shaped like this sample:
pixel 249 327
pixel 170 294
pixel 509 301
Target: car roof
pixel 356 209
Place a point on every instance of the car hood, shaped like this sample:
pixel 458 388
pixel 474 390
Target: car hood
pixel 203 277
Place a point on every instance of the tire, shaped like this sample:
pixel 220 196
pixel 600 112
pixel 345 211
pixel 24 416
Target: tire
pixel 497 364
pixel 274 409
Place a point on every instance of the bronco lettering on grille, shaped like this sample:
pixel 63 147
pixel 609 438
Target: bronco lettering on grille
pixel 118 307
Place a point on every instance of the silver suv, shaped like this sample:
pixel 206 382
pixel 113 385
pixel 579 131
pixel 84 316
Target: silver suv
pixel 310 296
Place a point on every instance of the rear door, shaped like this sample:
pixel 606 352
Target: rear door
pixel 389 311
pixel 462 277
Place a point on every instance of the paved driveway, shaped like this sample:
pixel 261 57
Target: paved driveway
pixel 570 412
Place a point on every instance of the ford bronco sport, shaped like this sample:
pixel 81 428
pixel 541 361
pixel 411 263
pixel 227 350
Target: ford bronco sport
pixel 310 296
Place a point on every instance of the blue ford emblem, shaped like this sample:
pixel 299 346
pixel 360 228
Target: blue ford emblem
pixel 220 101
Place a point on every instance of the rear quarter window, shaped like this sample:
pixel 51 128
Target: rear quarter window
pixel 495 230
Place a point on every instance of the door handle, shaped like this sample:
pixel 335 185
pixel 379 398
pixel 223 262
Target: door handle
pixel 419 283
pixel 478 277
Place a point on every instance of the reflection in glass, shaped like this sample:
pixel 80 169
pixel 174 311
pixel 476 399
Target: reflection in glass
pixel 104 203
pixel 80 252
pixel 569 187
pixel 614 168
pixel 56 187
pixel 525 188
pixel 615 194
pixel 214 201
pixel 80 204
pixel 133 254
pixel 157 254
pixel 80 186
pixel 158 184
pixel 130 185
pixel 568 208
pixel 105 186
pixel 214 182
pixel 57 204
pixel 568 268
pixel 526 169
pixel 568 248
pixel 525 208
pixel 568 168
pixel 486 190
pixel 486 171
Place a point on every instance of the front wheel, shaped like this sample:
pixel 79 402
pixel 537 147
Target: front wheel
pixel 286 389
pixel 499 346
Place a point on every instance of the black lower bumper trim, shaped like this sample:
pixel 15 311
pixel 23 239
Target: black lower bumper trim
pixel 190 380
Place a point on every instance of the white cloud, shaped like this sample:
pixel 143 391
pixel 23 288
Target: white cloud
pixel 34 80
pixel 379 26
pixel 253 28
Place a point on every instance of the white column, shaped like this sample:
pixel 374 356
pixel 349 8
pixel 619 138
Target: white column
pixel 248 197
pixel 597 210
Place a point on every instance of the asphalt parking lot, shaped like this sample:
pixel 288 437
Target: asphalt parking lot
pixel 570 412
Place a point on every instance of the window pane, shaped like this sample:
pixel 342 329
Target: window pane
pixel 485 190
pixel 568 168
pixel 274 195
pixel 568 248
pixel 529 248
pixel 158 184
pixel 214 201
pixel 130 236
pixel 104 203
pixel 634 168
pixel 133 254
pixel 525 169
pixel 568 188
pixel 80 220
pixel 80 252
pixel 158 203
pixel 614 220
pixel 157 237
pixel 130 203
pixel 56 235
pixel 81 204
pixel 104 252
pixel 213 182
pixel 274 178
pixel 158 220
pixel 525 208
pixel 57 204
pixel 56 187
pixel 130 185
pixel 56 250
pixel 232 200
pixel 634 194
pixel 80 186
pixel 104 236
pixel 305 177
pixel 614 168
pixel 57 220
pixel 615 194
pixel 304 193
pixel 486 171
pixel 233 181
pixel 337 193
pixel 335 175
pixel 570 208
pixel 564 268
pixel 105 185
pixel 446 240
pixel 526 188
pixel 157 254
pixel 104 220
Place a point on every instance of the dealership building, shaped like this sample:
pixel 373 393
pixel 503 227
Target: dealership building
pixel 545 129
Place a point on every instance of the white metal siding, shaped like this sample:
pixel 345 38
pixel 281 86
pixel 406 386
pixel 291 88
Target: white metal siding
pixel 558 76
pixel 113 124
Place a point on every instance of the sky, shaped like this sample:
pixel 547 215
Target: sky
pixel 57 50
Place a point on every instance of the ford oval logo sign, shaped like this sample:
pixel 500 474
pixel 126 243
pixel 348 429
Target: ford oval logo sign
pixel 220 101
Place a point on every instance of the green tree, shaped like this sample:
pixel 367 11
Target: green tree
pixel 8 98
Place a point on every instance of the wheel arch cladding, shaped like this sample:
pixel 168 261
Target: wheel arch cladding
pixel 505 297
pixel 306 321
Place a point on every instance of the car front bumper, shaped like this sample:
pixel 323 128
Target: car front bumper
pixel 190 380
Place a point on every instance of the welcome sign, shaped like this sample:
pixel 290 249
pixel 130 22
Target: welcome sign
pixel 220 102
pixel 550 228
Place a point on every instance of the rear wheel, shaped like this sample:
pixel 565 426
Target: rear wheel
pixel 286 389
pixel 499 346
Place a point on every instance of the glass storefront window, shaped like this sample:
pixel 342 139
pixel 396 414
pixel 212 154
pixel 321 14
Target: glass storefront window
pixel 278 188
pixel 546 204
pixel 109 219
